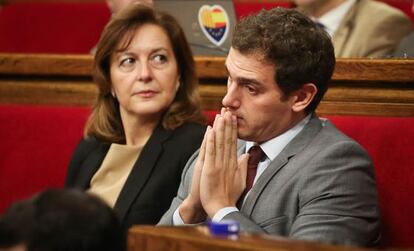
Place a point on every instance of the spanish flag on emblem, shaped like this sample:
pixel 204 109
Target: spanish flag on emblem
pixel 214 23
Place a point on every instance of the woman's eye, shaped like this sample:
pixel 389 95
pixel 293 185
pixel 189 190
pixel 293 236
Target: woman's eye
pixel 127 62
pixel 159 59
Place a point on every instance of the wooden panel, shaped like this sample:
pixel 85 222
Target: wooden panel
pixel 45 64
pixel 53 91
pixel 358 87
pixel 51 1
pixel 384 70
pixel 90 1
pixel 150 238
pixel 389 70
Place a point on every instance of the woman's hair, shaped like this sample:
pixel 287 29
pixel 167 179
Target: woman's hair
pixel 105 122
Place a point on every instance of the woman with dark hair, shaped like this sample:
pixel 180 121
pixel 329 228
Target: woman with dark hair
pixel 146 121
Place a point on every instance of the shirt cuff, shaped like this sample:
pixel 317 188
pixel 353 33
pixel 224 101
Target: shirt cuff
pixel 177 221
pixel 223 212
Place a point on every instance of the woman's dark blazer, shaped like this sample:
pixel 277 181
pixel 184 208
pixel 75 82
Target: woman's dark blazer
pixel 154 179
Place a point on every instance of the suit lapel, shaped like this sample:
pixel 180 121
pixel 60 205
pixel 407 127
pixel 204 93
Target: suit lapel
pixel 90 166
pixel 241 147
pixel 141 171
pixel 295 146
pixel 341 36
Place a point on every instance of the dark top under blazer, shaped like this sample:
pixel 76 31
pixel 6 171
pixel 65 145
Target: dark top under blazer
pixel 154 179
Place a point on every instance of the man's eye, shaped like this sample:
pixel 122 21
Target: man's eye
pixel 251 90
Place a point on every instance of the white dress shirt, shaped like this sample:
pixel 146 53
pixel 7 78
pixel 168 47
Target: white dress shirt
pixel 271 148
pixel 332 19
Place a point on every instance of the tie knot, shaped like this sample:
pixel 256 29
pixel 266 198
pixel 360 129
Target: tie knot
pixel 256 154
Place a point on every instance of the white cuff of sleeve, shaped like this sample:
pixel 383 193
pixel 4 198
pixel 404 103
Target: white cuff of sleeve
pixel 177 220
pixel 223 212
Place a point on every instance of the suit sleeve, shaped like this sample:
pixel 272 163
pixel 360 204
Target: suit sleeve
pixel 183 190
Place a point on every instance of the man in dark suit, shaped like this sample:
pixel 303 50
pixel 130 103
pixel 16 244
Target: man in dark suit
pixel 312 182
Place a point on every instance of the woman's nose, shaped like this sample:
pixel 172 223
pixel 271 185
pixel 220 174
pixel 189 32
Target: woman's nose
pixel 145 74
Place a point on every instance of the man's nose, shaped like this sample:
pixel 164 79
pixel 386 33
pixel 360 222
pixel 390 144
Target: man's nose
pixel 231 99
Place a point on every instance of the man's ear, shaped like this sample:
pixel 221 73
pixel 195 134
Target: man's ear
pixel 303 97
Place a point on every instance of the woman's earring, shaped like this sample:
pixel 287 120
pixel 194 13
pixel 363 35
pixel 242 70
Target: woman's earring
pixel 113 94
pixel 177 86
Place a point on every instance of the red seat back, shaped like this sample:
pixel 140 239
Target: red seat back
pixel 36 145
pixel 51 27
pixel 246 8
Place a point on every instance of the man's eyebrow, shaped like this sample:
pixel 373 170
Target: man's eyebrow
pixel 241 79
pixel 250 81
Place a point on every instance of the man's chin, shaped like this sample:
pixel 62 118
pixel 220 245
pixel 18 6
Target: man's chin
pixel 244 135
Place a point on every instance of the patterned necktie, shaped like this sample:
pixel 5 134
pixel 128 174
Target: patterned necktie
pixel 256 154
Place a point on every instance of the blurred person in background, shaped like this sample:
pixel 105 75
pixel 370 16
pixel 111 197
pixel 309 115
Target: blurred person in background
pixel 117 5
pixel 406 47
pixel 359 28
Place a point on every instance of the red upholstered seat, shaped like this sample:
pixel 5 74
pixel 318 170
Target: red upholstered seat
pixel 404 6
pixel 246 8
pixel 38 141
pixel 36 145
pixel 51 27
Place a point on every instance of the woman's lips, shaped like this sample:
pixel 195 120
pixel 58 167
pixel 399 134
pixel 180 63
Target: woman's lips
pixel 146 94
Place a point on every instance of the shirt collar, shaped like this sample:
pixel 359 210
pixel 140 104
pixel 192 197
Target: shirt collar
pixel 274 146
pixel 332 19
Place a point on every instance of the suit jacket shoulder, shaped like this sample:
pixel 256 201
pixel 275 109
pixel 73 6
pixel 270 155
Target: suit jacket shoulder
pixel 370 29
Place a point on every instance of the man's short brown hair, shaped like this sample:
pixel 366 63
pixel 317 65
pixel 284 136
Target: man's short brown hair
pixel 301 51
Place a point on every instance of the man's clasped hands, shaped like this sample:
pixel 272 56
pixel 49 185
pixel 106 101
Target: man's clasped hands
pixel 219 176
